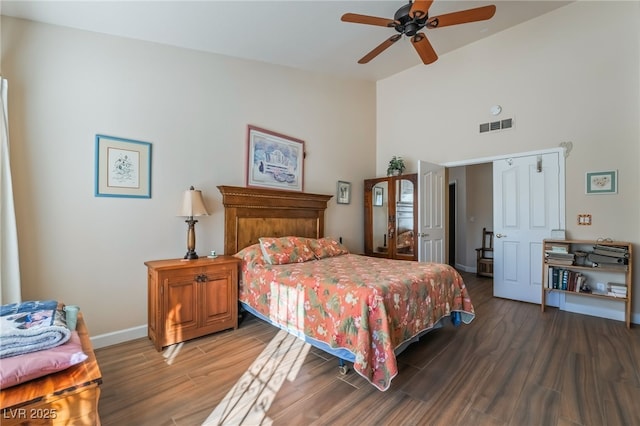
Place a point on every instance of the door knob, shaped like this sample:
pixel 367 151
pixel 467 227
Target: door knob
pixel 500 235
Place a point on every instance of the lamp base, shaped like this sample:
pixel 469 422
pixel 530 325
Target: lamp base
pixel 191 254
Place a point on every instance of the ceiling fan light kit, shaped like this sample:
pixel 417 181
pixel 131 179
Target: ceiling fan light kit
pixel 413 17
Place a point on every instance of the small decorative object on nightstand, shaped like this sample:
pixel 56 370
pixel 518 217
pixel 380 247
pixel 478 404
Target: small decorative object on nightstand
pixel 189 299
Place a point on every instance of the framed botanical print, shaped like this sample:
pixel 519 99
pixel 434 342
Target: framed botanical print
pixel 123 167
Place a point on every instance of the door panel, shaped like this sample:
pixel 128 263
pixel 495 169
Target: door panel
pixel 431 212
pixel 380 215
pixel 216 300
pixel 527 206
pixel 180 310
pixel 405 220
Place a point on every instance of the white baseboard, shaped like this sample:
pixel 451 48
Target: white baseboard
pixel 119 336
pixel 465 268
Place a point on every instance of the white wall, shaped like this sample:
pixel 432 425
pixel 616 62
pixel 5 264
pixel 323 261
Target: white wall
pixel 68 85
pixel 570 75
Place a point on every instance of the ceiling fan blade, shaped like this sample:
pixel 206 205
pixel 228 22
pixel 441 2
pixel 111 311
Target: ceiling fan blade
pixel 380 48
pixel 369 20
pixel 424 48
pixel 462 17
pixel 420 8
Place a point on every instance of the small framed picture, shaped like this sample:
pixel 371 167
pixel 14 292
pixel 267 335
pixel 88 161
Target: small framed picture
pixel 344 192
pixel 378 196
pixel 602 182
pixel 123 168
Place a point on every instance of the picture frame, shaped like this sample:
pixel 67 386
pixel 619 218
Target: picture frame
pixel 343 191
pixel 378 196
pixel 274 160
pixel 605 182
pixel 122 167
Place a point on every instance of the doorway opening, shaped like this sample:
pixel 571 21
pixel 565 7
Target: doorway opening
pixel 452 224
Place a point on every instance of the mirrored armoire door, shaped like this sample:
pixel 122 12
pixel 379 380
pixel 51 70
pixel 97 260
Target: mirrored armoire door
pixel 390 217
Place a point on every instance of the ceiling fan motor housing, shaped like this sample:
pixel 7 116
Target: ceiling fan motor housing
pixel 406 24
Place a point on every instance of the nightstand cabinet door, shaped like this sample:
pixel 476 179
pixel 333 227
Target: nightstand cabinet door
pixel 189 299
pixel 219 298
pixel 179 305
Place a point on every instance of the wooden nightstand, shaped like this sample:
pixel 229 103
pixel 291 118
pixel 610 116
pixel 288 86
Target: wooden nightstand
pixel 191 298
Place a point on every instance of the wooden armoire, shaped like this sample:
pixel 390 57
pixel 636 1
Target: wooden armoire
pixel 390 217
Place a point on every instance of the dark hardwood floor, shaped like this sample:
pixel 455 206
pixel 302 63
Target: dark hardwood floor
pixel 513 365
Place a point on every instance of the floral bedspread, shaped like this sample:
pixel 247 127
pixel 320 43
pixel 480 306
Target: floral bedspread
pixel 366 305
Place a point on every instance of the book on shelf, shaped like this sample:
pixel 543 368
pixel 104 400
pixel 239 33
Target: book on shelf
pixel 565 279
pixel 608 251
pixel 559 258
pixel 559 262
pixel 559 255
pixel 610 266
pixel 556 247
pixel 599 258
pixel 617 289
pixel 619 249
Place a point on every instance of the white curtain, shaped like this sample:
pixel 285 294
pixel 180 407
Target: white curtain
pixel 9 260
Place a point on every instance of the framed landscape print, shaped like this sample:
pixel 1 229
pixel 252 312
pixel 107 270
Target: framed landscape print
pixel 274 160
pixel 123 168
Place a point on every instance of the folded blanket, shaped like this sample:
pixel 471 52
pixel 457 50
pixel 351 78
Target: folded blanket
pixel 31 326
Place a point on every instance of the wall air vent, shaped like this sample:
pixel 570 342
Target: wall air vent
pixel 492 126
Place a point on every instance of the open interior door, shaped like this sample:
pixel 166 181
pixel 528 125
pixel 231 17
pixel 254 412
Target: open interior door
pixel 432 194
pixel 528 202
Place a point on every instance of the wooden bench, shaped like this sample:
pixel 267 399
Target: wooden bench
pixel 69 397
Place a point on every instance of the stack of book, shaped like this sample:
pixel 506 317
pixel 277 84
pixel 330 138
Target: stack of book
pixel 617 290
pixel 558 254
pixel 613 257
pixel 564 279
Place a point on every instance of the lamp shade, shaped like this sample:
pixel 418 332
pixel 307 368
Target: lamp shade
pixel 193 204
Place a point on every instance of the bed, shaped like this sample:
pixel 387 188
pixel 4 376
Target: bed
pixel 363 310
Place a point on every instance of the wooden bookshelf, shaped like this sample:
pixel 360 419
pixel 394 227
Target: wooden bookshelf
pixel 622 274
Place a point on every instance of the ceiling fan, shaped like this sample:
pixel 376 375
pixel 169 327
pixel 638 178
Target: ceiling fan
pixel 413 17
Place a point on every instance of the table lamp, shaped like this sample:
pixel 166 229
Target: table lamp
pixel 192 205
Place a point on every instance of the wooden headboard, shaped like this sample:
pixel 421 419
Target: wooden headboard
pixel 251 213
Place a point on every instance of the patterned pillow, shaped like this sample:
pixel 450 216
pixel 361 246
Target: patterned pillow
pixel 251 255
pixel 283 250
pixel 327 247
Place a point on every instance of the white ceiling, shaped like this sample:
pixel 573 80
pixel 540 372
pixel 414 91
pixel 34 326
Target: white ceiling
pixel 303 34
